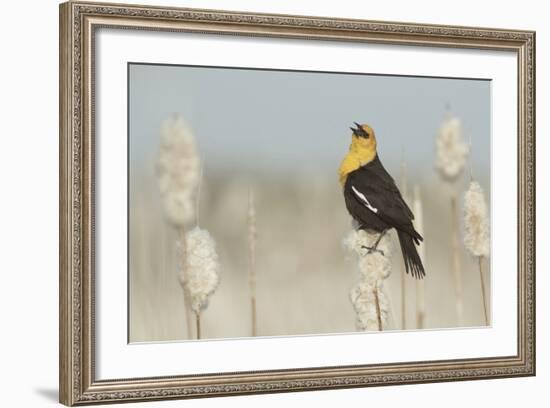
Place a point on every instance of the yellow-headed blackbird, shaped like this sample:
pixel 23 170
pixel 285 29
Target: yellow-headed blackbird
pixel 373 199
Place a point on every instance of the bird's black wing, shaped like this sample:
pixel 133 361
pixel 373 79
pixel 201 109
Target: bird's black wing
pixel 376 168
pixel 375 189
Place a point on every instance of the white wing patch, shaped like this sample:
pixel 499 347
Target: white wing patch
pixel 364 200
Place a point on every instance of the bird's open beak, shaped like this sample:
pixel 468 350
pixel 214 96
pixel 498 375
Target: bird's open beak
pixel 358 130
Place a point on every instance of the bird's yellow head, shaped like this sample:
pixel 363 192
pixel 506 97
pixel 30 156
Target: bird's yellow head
pixel 362 150
pixel 363 140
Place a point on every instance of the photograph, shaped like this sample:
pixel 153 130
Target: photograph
pixel 267 202
pixel 259 202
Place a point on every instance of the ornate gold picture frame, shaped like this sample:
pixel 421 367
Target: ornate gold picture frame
pixel 79 22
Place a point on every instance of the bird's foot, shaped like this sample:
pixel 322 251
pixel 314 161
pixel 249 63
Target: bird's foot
pixel 370 250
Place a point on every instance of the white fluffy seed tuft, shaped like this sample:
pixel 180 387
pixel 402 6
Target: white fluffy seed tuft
pixel 200 273
pixel 369 301
pixel 178 171
pixel 476 221
pixel 364 298
pixel 451 150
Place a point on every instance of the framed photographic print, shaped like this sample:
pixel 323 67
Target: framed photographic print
pixel 256 203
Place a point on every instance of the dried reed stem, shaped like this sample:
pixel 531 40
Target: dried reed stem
pixel 378 310
pixel 198 196
pixel 476 231
pixel 253 315
pixel 403 188
pixel 482 281
pixel 420 304
pixel 198 325
pixel 186 295
pixel 420 289
pixel 451 154
pixel 403 299
pixel 456 262
pixel 252 239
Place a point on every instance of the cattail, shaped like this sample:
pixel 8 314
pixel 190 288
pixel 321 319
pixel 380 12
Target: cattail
pixel 178 172
pixel 451 150
pixel 476 231
pixel 404 193
pixel 420 290
pixel 369 301
pixel 476 221
pixel 178 176
pixel 457 272
pixel 252 237
pixel 199 275
pixel 451 154
pixel 371 307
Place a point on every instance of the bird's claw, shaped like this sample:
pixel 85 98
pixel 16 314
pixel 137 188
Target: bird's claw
pixel 370 250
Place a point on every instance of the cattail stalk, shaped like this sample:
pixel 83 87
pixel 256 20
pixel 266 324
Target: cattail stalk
pixel 403 299
pixel 451 154
pixel 198 325
pixel 420 290
pixel 403 189
pixel 198 196
pixel 451 149
pixel 476 232
pixel 178 173
pixel 200 274
pixel 252 238
pixel 420 304
pixel 482 283
pixel 178 177
pixel 457 273
pixel 182 254
pixel 378 308
pixel 369 301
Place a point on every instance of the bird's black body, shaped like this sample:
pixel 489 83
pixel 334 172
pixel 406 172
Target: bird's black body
pixel 386 209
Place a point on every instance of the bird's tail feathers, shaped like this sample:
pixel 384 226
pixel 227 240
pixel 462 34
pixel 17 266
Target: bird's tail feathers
pixel 413 263
pixel 416 237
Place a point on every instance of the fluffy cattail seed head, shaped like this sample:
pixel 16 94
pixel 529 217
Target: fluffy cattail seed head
pixel 451 150
pixel 200 272
pixel 372 266
pixel 178 172
pixel 252 239
pixel 369 301
pixel 476 221
pixel 364 298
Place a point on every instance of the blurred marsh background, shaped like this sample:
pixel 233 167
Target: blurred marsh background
pixel 282 135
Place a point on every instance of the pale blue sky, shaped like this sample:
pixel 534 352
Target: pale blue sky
pixel 256 120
